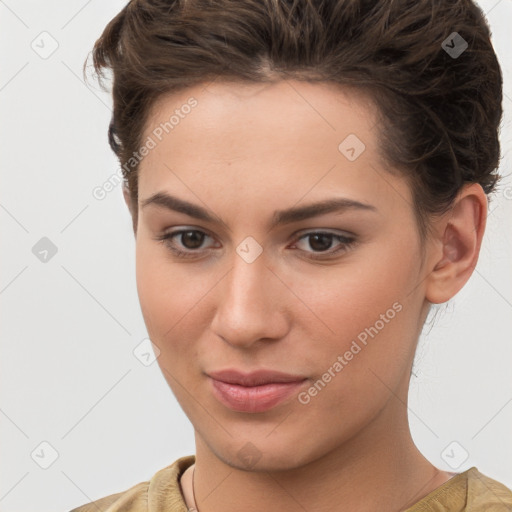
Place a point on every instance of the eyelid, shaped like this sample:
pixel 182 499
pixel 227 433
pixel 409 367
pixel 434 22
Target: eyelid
pixel 330 231
pixel 175 234
pixel 346 241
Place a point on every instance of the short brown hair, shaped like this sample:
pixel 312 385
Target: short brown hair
pixel 440 112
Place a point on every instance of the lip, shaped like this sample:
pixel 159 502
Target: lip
pixel 254 378
pixel 257 391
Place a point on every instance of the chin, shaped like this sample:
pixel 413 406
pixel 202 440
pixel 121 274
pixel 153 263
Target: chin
pixel 270 453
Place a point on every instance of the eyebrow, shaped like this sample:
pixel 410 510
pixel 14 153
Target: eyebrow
pixel 280 217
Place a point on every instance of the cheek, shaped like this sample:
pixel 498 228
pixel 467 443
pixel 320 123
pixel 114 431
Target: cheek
pixel 163 294
pixel 173 299
pixel 372 319
pixel 351 298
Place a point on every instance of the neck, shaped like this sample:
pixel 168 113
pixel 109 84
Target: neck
pixel 380 468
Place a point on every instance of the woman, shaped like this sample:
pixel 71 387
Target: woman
pixel 305 180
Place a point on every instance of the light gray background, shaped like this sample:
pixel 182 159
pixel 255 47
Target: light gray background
pixel 70 325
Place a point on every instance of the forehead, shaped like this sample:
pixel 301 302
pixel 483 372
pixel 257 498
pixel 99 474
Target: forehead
pixel 275 126
pixel 225 105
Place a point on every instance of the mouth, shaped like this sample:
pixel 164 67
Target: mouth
pixel 253 392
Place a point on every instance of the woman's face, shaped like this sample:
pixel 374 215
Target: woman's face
pixel 332 296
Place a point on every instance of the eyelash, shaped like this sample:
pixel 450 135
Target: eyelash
pixel 346 243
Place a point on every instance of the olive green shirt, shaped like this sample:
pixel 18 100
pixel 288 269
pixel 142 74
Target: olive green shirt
pixel 470 491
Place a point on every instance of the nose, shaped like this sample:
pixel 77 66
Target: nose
pixel 252 304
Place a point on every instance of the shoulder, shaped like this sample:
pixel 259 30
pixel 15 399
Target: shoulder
pixel 134 499
pixel 487 494
pixel 470 491
pixel 163 488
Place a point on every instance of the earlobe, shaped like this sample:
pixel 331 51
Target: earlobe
pixel 455 257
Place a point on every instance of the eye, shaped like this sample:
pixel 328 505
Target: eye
pixel 322 241
pixel 190 239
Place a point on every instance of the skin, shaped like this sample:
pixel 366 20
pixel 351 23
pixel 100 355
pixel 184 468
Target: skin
pixel 244 152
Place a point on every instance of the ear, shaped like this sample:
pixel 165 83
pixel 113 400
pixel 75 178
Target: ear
pixel 128 201
pixel 126 195
pixel 456 244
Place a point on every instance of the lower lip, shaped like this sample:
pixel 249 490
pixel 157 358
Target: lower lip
pixel 254 398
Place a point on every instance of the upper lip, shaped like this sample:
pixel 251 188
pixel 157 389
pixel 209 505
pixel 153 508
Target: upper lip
pixel 254 378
